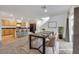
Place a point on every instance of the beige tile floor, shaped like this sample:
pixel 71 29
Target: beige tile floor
pixel 65 47
pixel 21 46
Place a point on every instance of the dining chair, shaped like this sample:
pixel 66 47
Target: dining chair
pixel 51 41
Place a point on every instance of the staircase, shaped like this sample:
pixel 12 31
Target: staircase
pixel 41 22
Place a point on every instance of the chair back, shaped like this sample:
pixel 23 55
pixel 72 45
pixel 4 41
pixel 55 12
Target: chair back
pixel 51 40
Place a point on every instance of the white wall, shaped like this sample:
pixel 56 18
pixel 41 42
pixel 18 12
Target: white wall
pixel 61 21
pixel 71 24
pixel 0 31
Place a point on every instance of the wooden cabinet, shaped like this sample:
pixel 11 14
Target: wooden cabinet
pixel 8 36
pixel 12 23
pixel 8 23
pixel 8 33
pixel 5 22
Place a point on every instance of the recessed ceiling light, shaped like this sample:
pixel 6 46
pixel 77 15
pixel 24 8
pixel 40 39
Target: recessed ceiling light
pixel 22 18
pixel 11 15
pixel 19 21
pixel 45 10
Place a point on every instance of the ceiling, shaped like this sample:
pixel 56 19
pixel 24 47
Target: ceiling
pixel 32 11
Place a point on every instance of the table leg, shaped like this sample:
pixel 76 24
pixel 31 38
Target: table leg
pixel 44 46
pixel 30 41
pixel 30 45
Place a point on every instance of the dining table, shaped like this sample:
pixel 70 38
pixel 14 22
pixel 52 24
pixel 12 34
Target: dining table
pixel 42 36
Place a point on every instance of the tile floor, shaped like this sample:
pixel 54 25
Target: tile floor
pixel 65 47
pixel 21 46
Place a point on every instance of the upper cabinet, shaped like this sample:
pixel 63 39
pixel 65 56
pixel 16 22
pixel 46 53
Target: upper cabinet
pixel 8 22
